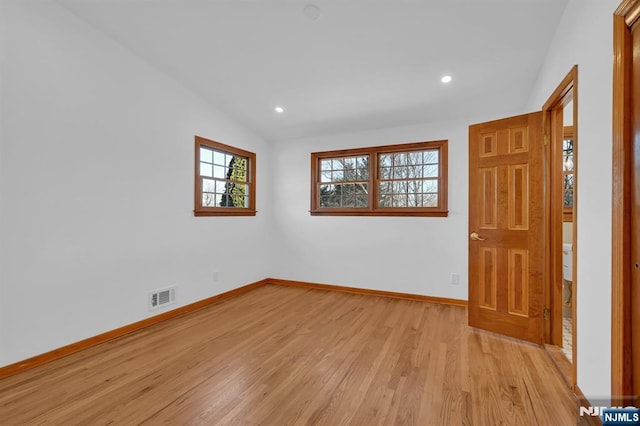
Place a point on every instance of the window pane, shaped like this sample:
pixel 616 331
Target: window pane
pixel 430 157
pixel 430 171
pixel 238 169
pixel 329 196
pixel 399 200
pixel 414 186
pixel 329 201
pixel 337 176
pixel 399 187
pixel 219 172
pixel 414 171
pixel 208 199
pixel 362 174
pixel 208 185
pixel 568 181
pixel 400 159
pixel 361 188
pixel 325 165
pixel 568 198
pixel 568 163
pixel 567 146
pixel 226 200
pixel 327 189
pixel 414 158
pixel 430 200
pixel 349 163
pixel 385 160
pixel 206 155
pixel 362 200
pixel 220 186
pixel 349 199
pixel 430 186
pixel 218 158
pixel 206 170
pixel 400 172
pixel 385 188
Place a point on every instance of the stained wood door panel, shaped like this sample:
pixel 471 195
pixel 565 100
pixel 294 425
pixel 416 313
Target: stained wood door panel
pixel 489 198
pixel 489 144
pixel 518 196
pixel 506 210
pixel 519 282
pixel 518 140
pixel 488 278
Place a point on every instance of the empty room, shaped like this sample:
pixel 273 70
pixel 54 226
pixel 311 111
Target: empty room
pixel 285 212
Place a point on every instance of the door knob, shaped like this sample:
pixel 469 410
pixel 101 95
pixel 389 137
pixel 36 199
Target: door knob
pixel 475 237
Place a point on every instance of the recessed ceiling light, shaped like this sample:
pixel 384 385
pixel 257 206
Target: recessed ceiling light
pixel 446 79
pixel 279 110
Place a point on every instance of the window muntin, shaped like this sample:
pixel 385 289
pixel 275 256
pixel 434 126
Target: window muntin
pixel 394 180
pixel 224 181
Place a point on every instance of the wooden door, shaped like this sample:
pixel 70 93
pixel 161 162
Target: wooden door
pixel 635 212
pixel 506 227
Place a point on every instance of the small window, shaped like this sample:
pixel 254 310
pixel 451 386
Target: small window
pixel 568 173
pixel 224 180
pixel 395 180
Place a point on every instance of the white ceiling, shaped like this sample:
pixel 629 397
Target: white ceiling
pixel 364 64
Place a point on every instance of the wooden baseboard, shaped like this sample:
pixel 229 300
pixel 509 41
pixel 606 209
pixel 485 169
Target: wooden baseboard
pixel 584 402
pixel 119 332
pixel 355 290
pixel 562 364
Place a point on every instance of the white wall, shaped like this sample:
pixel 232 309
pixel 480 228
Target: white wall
pixel 3 38
pixel 402 254
pixel 96 161
pixel 584 37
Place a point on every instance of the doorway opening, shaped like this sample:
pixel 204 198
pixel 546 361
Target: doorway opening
pixel 561 165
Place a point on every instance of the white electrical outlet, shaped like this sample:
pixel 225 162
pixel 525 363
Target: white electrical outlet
pixel 216 276
pixel 455 279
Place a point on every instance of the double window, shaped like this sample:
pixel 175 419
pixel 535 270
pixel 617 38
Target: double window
pixel 394 180
pixel 224 180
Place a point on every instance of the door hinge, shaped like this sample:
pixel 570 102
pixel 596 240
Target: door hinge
pixel 546 139
pixel 545 313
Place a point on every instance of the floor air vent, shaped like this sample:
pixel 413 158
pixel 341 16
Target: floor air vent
pixel 160 298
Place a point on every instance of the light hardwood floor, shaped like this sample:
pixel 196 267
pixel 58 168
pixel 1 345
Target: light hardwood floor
pixel 283 355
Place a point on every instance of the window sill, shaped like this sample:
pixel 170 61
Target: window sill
pixel 397 213
pixel 225 213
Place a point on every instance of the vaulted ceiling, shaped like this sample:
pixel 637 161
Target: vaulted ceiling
pixel 338 65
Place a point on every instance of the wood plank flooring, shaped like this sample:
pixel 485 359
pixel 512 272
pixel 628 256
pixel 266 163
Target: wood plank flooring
pixel 283 356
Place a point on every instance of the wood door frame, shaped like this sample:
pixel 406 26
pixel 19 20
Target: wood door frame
pixel 553 129
pixel 621 361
